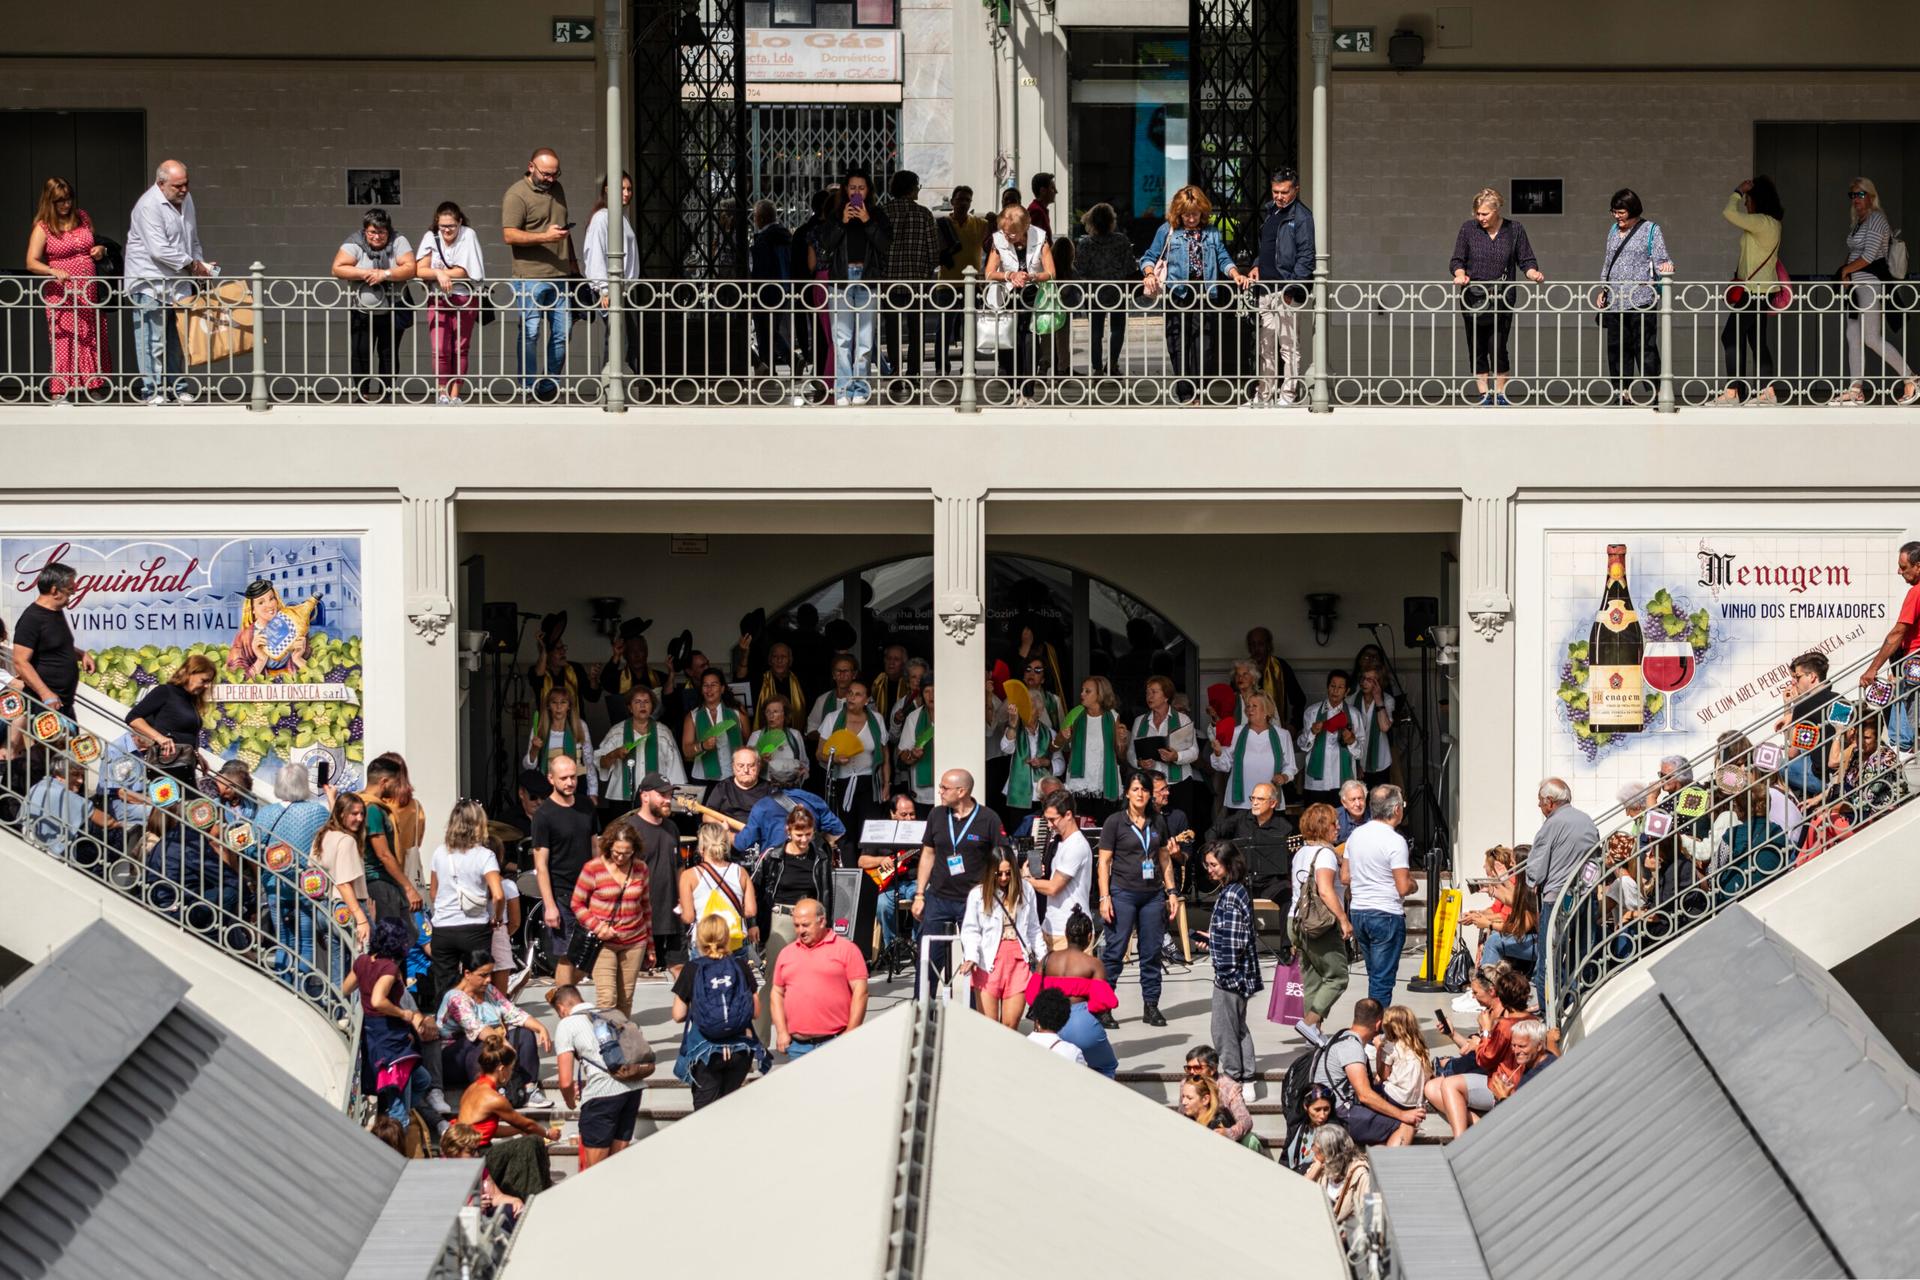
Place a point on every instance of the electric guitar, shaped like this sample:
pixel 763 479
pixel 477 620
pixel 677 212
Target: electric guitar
pixel 892 869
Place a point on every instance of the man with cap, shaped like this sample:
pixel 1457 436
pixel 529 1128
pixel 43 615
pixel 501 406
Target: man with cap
pixel 660 850
pixel 627 667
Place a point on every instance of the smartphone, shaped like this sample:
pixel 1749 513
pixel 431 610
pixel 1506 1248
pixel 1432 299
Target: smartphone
pixel 323 772
pixel 1440 1018
pixel 568 226
pixel 856 200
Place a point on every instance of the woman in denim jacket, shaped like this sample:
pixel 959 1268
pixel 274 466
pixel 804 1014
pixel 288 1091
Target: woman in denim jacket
pixel 1185 249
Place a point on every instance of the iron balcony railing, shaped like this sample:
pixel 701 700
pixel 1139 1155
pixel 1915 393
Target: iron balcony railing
pixel 1741 814
pixel 264 340
pixel 195 858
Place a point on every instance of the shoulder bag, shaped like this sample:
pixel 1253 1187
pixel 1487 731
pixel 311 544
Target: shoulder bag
pixel 1742 296
pixel 1311 914
pixel 1605 296
pixel 994 325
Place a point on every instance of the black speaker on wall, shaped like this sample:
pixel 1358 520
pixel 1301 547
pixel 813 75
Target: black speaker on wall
pixel 1420 615
pixel 498 618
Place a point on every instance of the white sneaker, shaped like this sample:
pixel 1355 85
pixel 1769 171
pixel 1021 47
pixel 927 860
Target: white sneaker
pixel 184 397
pixel 437 1101
pixel 843 401
pixel 862 398
pixel 1465 1003
pixel 157 398
pixel 537 1101
pixel 444 399
pixel 1311 1034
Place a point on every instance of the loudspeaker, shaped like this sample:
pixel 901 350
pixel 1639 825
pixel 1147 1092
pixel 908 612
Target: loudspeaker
pixel 1420 615
pixel 499 619
pixel 852 913
pixel 1406 50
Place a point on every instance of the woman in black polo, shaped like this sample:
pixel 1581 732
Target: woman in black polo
pixel 1136 890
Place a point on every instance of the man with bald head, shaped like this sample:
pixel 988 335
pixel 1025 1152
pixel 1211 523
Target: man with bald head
pixel 818 987
pixel 959 833
pixel 163 257
pixel 563 831
pixel 536 226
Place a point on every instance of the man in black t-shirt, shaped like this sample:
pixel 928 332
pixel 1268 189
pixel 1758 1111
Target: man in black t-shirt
pixel 1808 696
pixel 747 786
pixel 563 831
pixel 958 835
pixel 43 652
pixel 660 850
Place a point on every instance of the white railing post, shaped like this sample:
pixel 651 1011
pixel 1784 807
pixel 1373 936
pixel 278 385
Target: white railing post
pixel 969 392
pixel 258 404
pixel 1319 398
pixel 1664 403
pixel 613 44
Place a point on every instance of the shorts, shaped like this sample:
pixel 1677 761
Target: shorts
pixel 605 1121
pixel 1368 1127
pixel 1479 1096
pixel 502 947
pixel 1010 973
pixel 559 935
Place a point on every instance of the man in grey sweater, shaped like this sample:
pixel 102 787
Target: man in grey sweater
pixel 1566 838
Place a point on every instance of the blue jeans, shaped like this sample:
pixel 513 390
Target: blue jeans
pixel 855 308
pixel 1380 935
pixel 901 895
pixel 940 915
pixel 798 1050
pixel 541 301
pixel 1800 776
pixel 1519 948
pixel 1084 1032
pixel 1144 911
pixel 1900 722
pixel 156 344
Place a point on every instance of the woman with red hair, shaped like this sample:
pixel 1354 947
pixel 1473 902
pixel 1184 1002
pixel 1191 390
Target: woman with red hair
pixel 1184 251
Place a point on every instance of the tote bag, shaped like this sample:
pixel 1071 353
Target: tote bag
pixel 1288 1002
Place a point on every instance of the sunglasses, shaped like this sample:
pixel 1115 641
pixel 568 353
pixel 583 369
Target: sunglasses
pixel 1856 195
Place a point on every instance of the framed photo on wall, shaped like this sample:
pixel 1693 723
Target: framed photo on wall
pixel 373 187
pixel 1536 197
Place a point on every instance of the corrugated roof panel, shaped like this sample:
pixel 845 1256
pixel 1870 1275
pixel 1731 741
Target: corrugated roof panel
pixel 1627 1158
pixel 1432 1233
pixel 418 1218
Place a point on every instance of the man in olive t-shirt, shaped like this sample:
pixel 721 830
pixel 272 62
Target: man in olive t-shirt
pixel 535 224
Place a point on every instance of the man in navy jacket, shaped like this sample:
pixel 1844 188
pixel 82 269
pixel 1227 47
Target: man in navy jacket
pixel 1286 257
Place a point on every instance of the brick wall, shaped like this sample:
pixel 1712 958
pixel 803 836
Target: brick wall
pixel 267 144
pixel 1409 152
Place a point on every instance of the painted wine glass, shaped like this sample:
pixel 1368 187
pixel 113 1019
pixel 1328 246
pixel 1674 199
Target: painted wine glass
pixel 1667 665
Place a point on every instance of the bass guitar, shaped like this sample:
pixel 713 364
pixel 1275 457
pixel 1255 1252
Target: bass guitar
pixel 683 805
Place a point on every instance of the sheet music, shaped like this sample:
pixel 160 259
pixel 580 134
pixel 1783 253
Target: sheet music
pixel 1182 738
pixel 897 834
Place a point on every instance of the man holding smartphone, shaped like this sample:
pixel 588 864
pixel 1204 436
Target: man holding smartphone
pixel 536 226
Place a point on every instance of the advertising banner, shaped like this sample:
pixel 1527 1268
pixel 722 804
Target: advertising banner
pixel 1658 642
pixel 783 54
pixel 279 617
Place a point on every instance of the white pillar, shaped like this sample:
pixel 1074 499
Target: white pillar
pixel 1484 708
pixel 431 737
pixel 959 639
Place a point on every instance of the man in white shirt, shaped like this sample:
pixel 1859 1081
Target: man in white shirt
pixel 1072 868
pixel 594 261
pixel 1049 1014
pixel 163 255
pixel 1380 868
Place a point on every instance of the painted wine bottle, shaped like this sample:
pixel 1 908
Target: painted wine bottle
pixel 1616 694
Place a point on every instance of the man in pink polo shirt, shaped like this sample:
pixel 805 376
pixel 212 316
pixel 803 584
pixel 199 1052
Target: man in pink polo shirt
pixel 819 984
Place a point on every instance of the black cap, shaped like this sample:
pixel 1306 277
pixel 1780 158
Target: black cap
pixel 680 648
pixel 655 782
pixel 552 625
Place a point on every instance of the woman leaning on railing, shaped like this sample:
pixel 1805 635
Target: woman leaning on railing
pixel 62 247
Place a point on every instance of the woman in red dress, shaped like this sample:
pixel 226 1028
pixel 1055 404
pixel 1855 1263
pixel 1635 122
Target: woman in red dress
pixel 62 247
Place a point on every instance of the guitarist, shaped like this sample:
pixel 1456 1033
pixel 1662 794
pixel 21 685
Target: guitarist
pixel 891 874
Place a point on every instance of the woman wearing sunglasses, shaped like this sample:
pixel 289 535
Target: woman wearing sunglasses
pixel 1869 237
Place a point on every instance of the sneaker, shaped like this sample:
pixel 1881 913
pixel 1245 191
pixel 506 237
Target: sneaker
pixel 537 1101
pixel 157 398
pixel 1487 398
pixel 1466 1004
pixel 444 398
pixel 1503 402
pixel 437 1102
pixel 861 398
pixel 184 397
pixel 1311 1034
pixel 842 401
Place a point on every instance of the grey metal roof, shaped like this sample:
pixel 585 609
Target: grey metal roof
pixel 413 1227
pixel 146 1140
pixel 1741 1119
pixel 1432 1233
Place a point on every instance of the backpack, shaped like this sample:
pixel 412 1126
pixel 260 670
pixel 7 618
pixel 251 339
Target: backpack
pixel 1299 1078
pixel 722 1005
pixel 624 1050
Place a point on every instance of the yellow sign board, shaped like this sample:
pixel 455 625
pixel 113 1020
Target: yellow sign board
pixel 1446 927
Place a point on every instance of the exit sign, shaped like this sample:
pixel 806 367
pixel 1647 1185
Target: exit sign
pixel 1353 39
pixel 573 30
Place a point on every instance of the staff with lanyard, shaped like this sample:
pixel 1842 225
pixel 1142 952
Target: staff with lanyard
pixel 1136 891
pixel 958 835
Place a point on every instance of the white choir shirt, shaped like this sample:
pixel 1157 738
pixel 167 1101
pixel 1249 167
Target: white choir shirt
pixel 825 707
pixel 1260 764
pixel 791 750
pixel 1331 781
pixel 1184 757
pixel 1092 781
pixel 556 741
pixel 996 729
pixel 875 739
pixel 622 778
pixel 909 730
pixel 1028 744
pixel 1376 735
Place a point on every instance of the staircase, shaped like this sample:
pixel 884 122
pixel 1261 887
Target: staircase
pixel 210 899
pixel 1838 881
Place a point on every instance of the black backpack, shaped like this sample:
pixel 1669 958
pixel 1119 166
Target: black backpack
pixel 1299 1078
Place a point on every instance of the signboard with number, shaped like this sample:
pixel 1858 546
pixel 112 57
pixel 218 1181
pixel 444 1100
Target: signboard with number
pixel 573 30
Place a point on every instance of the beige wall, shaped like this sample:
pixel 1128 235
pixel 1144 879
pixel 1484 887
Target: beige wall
pixel 245 28
pixel 1409 151
pixel 268 144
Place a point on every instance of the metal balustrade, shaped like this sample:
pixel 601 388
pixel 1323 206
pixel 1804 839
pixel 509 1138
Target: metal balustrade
pixel 1700 849
pixel 188 856
pixel 264 340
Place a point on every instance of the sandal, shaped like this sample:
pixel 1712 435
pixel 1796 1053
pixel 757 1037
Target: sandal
pixel 1852 395
pixel 1767 397
pixel 1728 398
pixel 1912 394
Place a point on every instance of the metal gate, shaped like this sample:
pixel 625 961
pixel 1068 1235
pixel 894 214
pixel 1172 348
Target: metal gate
pixel 797 149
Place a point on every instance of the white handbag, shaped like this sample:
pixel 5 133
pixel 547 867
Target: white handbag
pixel 995 327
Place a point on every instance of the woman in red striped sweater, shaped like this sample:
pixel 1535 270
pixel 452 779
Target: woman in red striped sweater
pixel 610 902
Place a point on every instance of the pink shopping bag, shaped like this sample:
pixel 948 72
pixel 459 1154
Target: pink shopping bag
pixel 1288 1003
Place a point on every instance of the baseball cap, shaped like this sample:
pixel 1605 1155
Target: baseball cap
pixel 656 782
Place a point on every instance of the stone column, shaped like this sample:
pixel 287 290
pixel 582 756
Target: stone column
pixel 959 634
pixel 431 724
pixel 927 95
pixel 1485 703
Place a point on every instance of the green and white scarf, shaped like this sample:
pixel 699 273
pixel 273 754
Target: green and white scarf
pixel 1143 728
pixel 1379 751
pixel 922 741
pixel 1020 779
pixel 649 760
pixel 1110 774
pixel 1322 741
pixel 1239 791
pixel 708 767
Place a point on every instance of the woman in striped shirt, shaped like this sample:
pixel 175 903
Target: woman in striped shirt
pixel 1868 239
pixel 611 901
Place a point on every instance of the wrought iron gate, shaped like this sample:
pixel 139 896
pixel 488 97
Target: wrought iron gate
pixel 1244 78
pixel 797 149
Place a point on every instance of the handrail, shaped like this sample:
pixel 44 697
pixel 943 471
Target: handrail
pixel 209 872
pixel 268 339
pixel 1747 812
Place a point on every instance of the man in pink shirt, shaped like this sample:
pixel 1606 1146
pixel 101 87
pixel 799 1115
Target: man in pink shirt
pixel 819 984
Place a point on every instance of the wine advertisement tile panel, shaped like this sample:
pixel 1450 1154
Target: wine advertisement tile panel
pixel 280 616
pixel 1702 642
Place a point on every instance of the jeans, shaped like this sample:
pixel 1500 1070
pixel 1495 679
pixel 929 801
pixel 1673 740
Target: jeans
pixel 855 306
pixel 796 1050
pixel 1144 911
pixel 156 344
pixel 1745 331
pixel 903 333
pixel 370 337
pixel 450 323
pixel 1489 335
pixel 538 301
pixel 1084 1032
pixel 1900 723
pixel 1232 1036
pixel 717 1077
pixel 412 1096
pixel 1380 935
pixel 1519 948
pixel 1193 348
pixel 888 905
pixel 1800 776
pixel 940 915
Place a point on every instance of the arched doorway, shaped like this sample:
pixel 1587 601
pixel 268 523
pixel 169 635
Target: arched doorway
pixel 1097 627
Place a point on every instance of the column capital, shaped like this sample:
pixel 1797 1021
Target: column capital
pixel 1486 546
pixel 959 563
pixel 427 533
